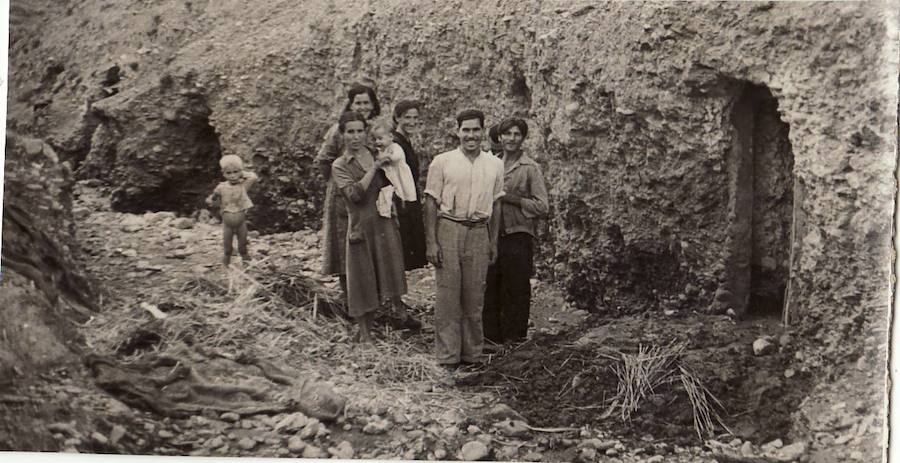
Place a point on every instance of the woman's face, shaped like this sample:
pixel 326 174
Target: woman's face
pixel 409 121
pixel 362 105
pixel 354 135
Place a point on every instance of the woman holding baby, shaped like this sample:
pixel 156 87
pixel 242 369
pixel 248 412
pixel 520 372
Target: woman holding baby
pixel 368 182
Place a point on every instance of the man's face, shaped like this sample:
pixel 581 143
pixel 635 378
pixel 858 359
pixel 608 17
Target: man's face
pixel 470 133
pixel 512 139
pixel 362 105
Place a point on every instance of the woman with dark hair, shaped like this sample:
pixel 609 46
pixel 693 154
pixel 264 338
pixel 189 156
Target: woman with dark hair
pixel 374 253
pixel 361 99
pixel 412 227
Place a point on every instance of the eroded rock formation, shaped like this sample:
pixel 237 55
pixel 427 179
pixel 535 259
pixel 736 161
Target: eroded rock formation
pixel 729 155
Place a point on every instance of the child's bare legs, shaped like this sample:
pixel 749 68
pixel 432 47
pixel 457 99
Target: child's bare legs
pixel 365 324
pixel 233 223
pixel 242 242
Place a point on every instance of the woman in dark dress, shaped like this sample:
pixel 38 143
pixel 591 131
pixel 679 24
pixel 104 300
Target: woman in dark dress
pixel 362 100
pixel 412 226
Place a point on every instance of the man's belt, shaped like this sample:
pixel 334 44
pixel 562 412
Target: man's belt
pixel 468 223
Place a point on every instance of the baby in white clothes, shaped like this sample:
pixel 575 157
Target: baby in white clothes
pixel 397 172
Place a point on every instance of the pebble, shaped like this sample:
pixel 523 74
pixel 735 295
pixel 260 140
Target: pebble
pixel 343 451
pixel 856 455
pixel 472 429
pixel 99 438
pixel 183 223
pixel 473 451
pixel 512 428
pixel 588 454
pixel 311 451
pixel 654 459
pixel 377 427
pixel 450 432
pixel 215 442
pixel 440 454
pixel 735 442
pixel 533 456
pixel 246 443
pixel 296 444
pixel 247 424
pixel 747 449
pixel 793 451
pixel 611 452
pixel 775 444
pixel 230 417
pixel 415 434
pixel 763 346
pixel 165 434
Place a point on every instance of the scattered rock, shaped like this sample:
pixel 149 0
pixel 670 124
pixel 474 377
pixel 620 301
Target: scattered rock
pixel 230 417
pixel 117 433
pixel 512 428
pixel 343 451
pixel 763 346
pixel 472 429
pixel 473 451
pixel 775 444
pixel 246 443
pixel 587 454
pixel 183 223
pixel 165 434
pixel 377 426
pixel 785 340
pixel 63 428
pixel 99 438
pixel 598 444
pixel 654 459
pixel 292 422
pixel 296 444
pixel 450 432
pixel 611 452
pixel 533 456
pixel 215 442
pixel 311 451
pixel 440 454
pixel 501 412
pixel 791 452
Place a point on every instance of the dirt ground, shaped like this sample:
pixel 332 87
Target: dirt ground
pixel 562 381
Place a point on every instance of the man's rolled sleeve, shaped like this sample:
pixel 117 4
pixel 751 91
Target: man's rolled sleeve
pixel 434 184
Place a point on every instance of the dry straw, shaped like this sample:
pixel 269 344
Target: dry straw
pixel 652 368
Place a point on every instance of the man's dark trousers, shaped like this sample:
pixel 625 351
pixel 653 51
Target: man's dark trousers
pixel 507 298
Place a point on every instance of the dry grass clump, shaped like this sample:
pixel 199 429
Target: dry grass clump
pixel 652 368
pixel 279 315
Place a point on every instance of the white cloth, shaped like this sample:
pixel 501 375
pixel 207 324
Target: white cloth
pixel 400 176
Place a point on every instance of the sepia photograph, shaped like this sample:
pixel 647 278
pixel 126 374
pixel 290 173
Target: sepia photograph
pixel 448 230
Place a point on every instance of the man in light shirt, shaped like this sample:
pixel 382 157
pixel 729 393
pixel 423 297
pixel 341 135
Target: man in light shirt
pixel 462 191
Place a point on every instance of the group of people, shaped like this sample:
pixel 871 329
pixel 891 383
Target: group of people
pixel 475 222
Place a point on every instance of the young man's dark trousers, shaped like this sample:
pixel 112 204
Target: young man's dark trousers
pixel 507 296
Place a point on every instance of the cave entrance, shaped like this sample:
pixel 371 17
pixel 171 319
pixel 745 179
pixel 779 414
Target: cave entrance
pixel 762 204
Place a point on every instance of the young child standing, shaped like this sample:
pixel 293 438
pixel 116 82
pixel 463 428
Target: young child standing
pixel 231 197
pixel 397 172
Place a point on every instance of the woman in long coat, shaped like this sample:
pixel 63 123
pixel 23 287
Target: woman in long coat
pixel 412 226
pixel 374 253
pixel 361 99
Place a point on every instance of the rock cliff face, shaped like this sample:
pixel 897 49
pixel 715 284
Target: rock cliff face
pixel 701 156
pixel 43 286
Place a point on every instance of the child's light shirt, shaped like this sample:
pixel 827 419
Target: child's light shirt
pixel 400 176
pixel 234 197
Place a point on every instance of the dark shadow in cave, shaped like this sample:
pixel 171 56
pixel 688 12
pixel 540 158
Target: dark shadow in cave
pixel 762 201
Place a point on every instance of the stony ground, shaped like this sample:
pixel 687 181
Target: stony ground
pixel 547 399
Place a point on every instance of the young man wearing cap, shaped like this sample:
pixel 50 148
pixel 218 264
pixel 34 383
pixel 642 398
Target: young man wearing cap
pixel 507 300
pixel 462 192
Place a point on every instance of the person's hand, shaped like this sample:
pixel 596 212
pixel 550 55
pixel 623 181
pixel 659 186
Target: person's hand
pixel 493 254
pixel 433 254
pixel 210 201
pixel 381 163
pixel 512 199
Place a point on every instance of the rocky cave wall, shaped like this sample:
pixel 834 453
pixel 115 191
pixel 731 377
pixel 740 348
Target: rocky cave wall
pixel 631 106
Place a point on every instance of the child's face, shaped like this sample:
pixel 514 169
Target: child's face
pixel 383 139
pixel 232 174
